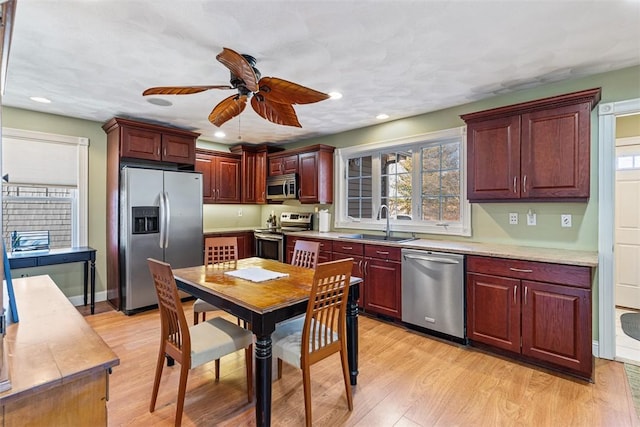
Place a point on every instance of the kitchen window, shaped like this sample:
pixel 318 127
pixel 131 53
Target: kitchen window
pixel 47 186
pixel 421 179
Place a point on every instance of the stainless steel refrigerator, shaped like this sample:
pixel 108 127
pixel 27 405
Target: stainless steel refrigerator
pixel 161 218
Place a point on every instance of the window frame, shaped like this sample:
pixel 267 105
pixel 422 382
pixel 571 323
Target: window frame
pixel 341 157
pixel 81 206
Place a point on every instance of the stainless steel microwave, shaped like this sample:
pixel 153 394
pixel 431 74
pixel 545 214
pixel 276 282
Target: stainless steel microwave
pixel 282 187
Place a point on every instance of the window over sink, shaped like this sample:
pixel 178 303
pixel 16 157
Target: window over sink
pixel 420 179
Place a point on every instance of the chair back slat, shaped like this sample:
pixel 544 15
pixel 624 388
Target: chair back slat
pixel 325 322
pixel 220 249
pixel 305 254
pixel 174 328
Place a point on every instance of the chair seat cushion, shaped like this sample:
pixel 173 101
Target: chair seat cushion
pixel 287 340
pixel 200 306
pixel 215 338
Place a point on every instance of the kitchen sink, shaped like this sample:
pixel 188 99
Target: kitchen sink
pixel 377 238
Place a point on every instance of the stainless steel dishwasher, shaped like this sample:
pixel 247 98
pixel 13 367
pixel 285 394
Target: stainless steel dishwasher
pixel 433 291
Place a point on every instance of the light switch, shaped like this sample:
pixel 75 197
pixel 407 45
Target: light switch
pixel 531 219
pixel 565 220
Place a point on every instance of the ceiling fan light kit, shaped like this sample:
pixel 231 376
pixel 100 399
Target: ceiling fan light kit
pixel 272 98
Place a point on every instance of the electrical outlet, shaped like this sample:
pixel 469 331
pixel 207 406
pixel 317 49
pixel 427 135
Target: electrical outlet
pixel 513 218
pixel 565 220
pixel 531 219
pixel 239 211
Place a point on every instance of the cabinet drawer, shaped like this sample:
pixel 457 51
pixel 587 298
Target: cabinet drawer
pixel 23 262
pixel 62 259
pixel 382 252
pixel 348 248
pixel 570 275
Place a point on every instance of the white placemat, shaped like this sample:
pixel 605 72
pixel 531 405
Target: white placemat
pixel 256 274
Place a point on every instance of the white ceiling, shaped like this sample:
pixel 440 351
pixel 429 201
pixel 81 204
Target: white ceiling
pixel 93 58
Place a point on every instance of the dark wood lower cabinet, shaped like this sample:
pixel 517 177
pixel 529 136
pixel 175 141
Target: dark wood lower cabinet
pixel 246 247
pixel 538 311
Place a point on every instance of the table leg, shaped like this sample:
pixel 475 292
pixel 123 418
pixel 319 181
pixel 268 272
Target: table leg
pixel 93 285
pixel 263 380
pixel 352 332
pixel 86 277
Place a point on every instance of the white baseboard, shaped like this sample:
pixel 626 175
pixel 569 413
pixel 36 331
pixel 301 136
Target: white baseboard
pixel 595 348
pixel 77 300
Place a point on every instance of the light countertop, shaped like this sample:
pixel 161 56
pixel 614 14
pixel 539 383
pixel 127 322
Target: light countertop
pixel 528 253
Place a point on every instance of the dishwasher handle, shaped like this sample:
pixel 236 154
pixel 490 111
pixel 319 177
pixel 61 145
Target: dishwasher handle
pixel 431 259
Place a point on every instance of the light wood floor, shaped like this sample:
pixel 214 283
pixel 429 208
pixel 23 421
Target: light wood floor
pixel 406 379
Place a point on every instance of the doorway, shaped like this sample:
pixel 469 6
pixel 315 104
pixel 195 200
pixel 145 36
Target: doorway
pixel 627 236
pixel 610 345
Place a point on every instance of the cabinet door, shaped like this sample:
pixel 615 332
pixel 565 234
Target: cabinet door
pixel 356 271
pixel 227 180
pixel 308 182
pixel 556 325
pixel 493 159
pixel 493 311
pixel 290 164
pixel 555 152
pixel 140 144
pixel 261 178
pixel 382 287
pixel 178 149
pixel 246 246
pixel 204 164
pixel 275 166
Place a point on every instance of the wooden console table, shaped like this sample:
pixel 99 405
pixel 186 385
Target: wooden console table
pixel 58 365
pixel 84 254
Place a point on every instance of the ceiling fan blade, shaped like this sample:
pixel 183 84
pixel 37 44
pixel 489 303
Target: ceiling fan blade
pixel 181 90
pixel 227 109
pixel 239 67
pixel 281 114
pixel 285 92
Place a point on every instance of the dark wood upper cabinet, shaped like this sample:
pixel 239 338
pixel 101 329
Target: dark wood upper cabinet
pixel 280 164
pixel 538 150
pixel 253 172
pixel 315 170
pixel 150 142
pixel 220 176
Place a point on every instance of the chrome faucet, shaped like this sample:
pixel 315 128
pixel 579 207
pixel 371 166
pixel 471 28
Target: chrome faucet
pixel 387 230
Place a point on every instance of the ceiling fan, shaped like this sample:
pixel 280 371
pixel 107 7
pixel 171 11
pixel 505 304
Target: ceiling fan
pixel 272 98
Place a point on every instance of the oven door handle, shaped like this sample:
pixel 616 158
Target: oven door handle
pixel 269 238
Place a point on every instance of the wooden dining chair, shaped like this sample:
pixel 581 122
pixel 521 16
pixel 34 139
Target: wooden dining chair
pixel 305 254
pixel 322 329
pixel 216 250
pixel 195 345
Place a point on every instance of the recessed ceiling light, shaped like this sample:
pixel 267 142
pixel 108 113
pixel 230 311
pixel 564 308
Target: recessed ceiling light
pixel 159 102
pixel 219 134
pixel 382 116
pixel 335 95
pixel 40 99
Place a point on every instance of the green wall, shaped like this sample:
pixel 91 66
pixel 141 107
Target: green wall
pixel 489 220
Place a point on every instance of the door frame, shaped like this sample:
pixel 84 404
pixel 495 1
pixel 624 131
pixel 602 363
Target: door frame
pixel 606 198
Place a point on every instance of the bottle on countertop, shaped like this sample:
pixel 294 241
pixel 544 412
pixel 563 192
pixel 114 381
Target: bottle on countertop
pixel 274 220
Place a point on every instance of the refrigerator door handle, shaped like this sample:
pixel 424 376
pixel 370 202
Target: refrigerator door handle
pixel 167 219
pixel 163 215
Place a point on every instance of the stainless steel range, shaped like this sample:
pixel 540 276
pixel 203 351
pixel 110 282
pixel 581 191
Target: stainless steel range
pixel 270 241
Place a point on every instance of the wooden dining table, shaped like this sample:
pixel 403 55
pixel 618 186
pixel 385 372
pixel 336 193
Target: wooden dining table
pixel 264 304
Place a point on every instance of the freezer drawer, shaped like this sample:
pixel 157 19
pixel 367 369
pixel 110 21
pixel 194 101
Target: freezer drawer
pixel 433 291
